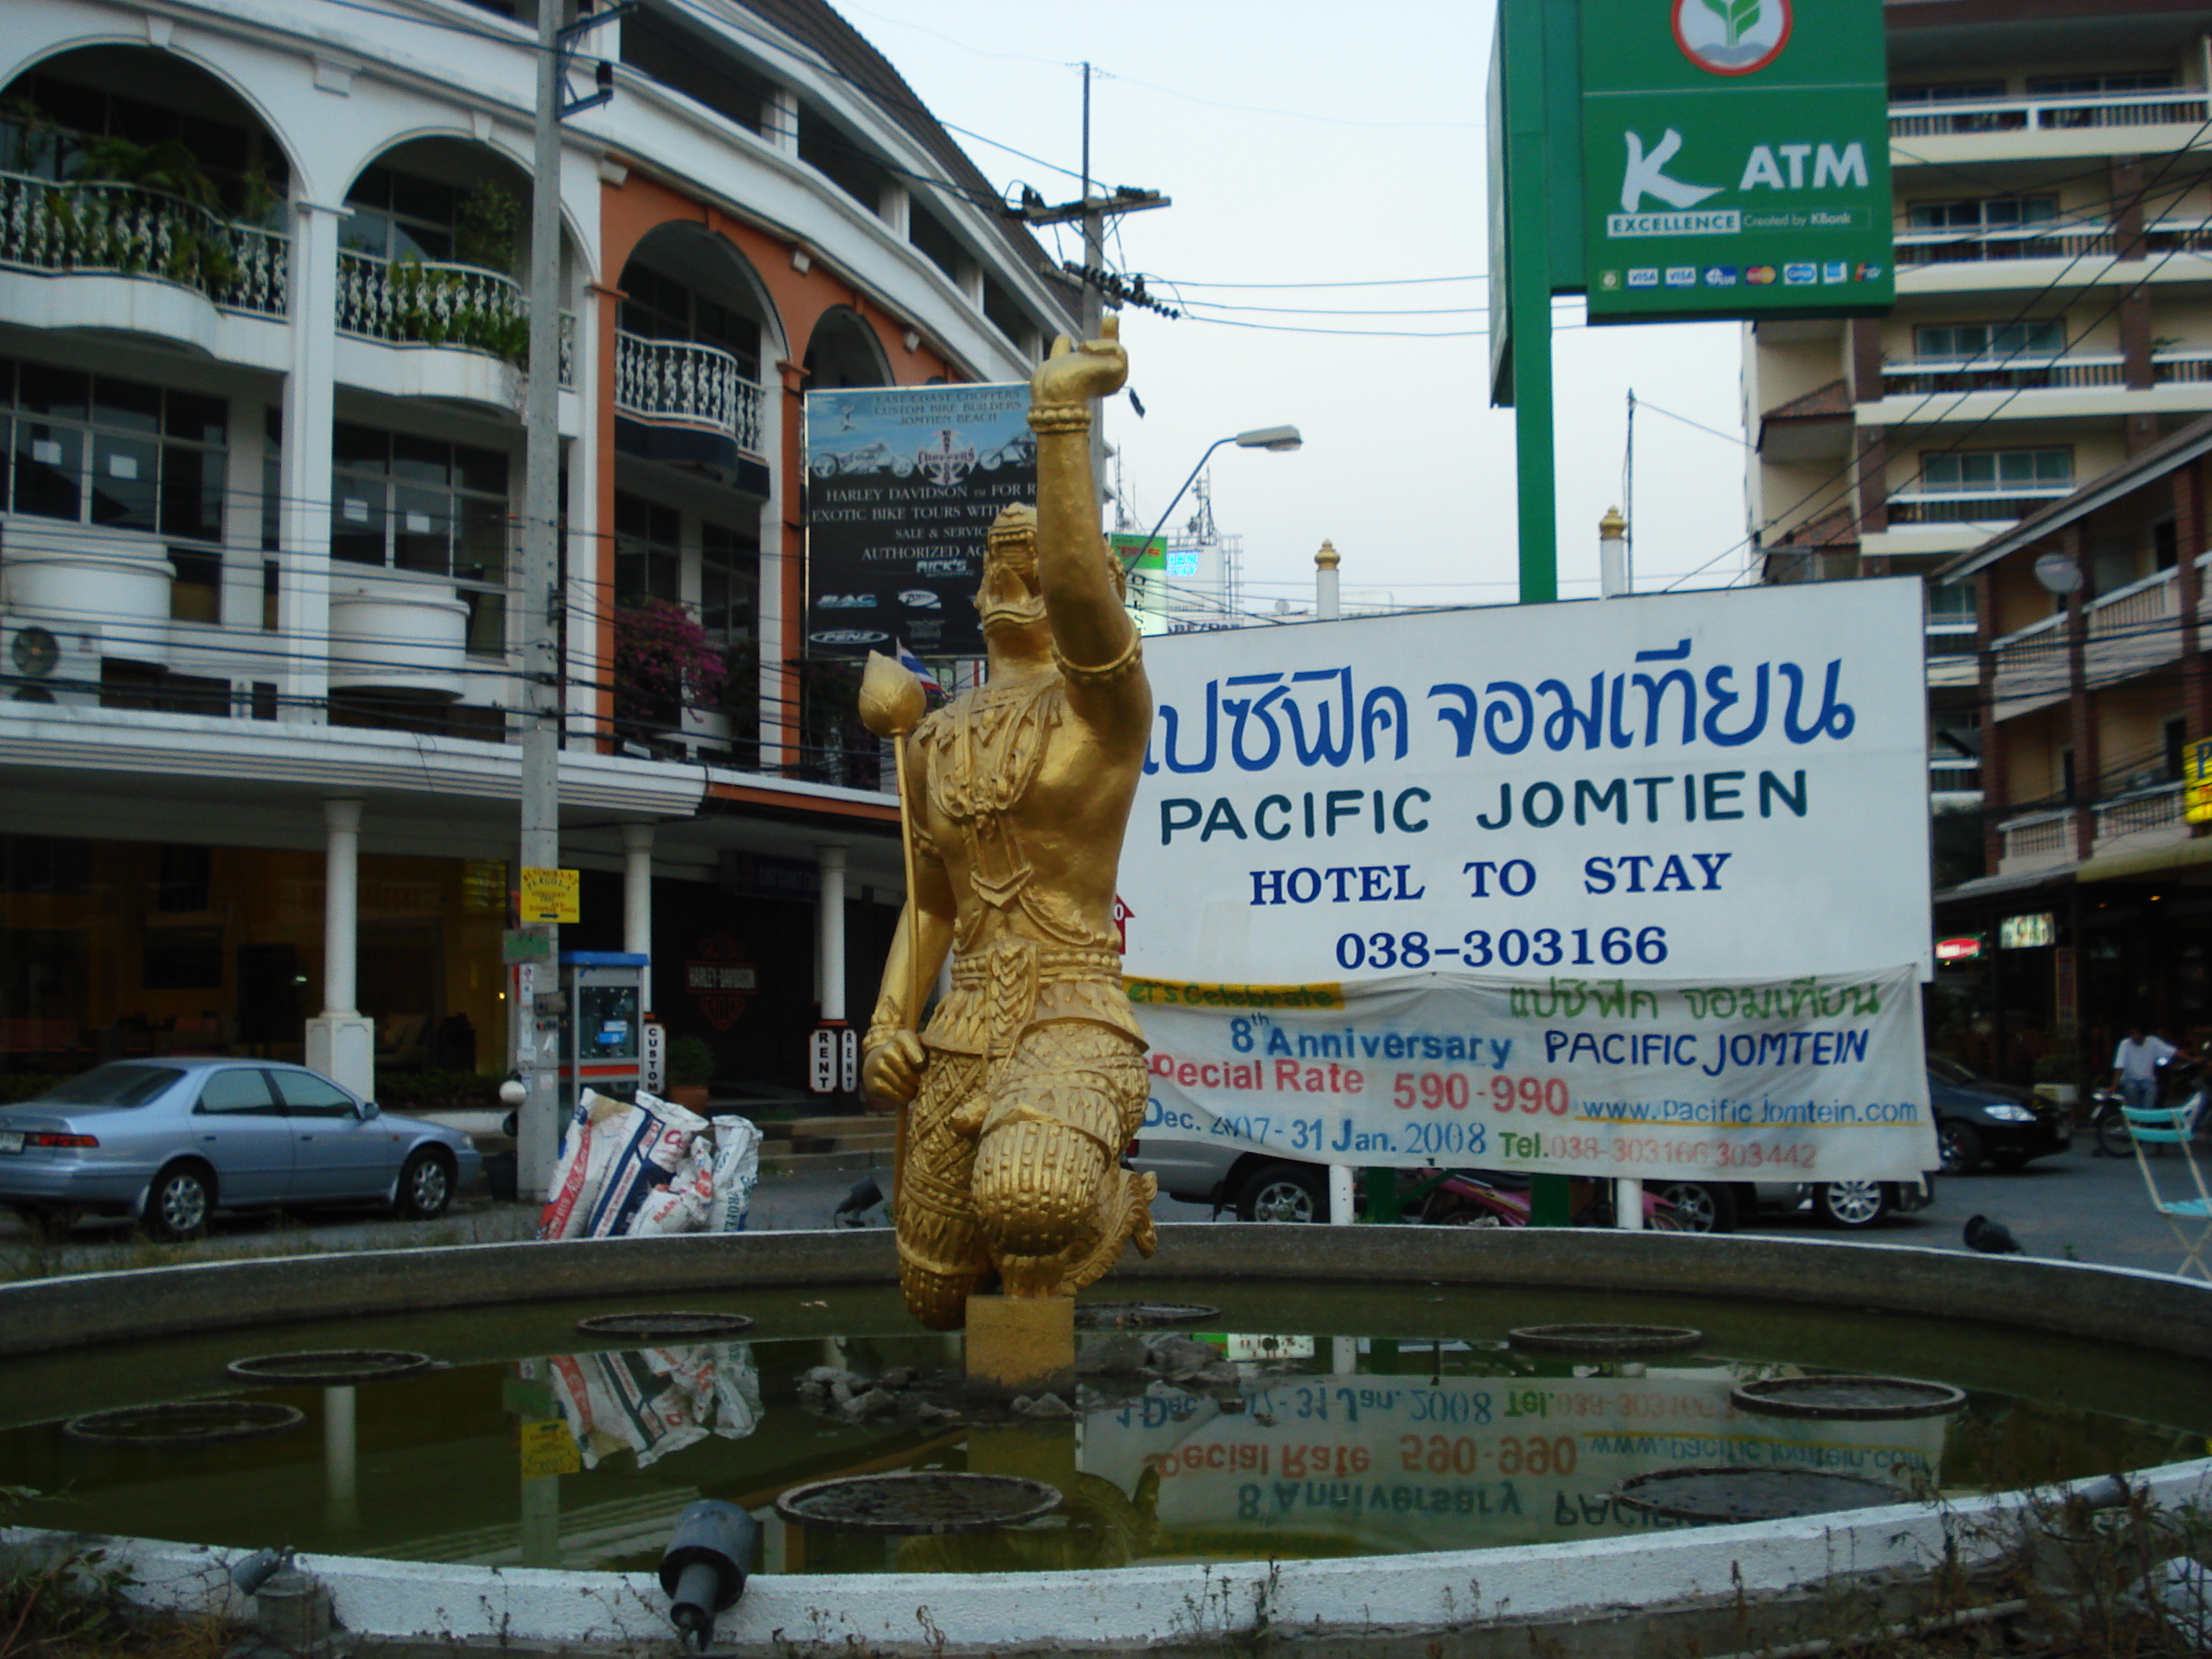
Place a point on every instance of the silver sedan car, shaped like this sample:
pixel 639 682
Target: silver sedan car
pixel 168 1141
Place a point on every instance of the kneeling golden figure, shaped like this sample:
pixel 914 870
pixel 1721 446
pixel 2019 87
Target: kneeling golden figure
pixel 1029 1079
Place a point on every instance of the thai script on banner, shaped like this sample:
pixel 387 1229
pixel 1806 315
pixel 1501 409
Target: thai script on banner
pixel 1814 1080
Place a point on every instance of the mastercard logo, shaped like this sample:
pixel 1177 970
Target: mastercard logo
pixel 1761 274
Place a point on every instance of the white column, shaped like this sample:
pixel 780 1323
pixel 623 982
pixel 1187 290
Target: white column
pixel 303 601
pixel 341 1041
pixel 637 903
pixel 1341 1195
pixel 1612 555
pixel 1628 1204
pixel 1326 604
pixel 829 913
pixel 241 602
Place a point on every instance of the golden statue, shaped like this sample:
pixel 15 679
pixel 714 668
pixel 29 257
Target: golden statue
pixel 1029 1079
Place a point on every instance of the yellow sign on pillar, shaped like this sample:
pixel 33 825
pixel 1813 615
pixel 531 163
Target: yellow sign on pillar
pixel 2196 769
pixel 548 1448
pixel 550 895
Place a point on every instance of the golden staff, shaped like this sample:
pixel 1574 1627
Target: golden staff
pixel 892 704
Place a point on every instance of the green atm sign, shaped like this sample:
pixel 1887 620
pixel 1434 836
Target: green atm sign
pixel 1735 159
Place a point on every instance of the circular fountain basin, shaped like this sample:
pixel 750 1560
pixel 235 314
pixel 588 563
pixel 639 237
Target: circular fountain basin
pixel 1385 1347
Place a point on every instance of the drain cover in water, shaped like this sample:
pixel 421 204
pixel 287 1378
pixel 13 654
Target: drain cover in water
pixel 185 1423
pixel 1124 1315
pixel 1751 1494
pixel 920 1501
pixel 1856 1397
pixel 1605 1338
pixel 329 1365
pixel 664 1324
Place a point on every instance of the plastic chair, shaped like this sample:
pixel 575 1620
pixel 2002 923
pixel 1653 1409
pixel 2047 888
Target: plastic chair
pixel 2190 1218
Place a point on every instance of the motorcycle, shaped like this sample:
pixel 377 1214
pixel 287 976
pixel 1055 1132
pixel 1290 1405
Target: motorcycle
pixel 2109 1127
pixel 1487 1198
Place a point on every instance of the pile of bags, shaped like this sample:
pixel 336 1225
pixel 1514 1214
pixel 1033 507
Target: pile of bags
pixel 628 1169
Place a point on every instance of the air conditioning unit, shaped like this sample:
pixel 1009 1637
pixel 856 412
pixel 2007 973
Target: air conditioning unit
pixel 44 663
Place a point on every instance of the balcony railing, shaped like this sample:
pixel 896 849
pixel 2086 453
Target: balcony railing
pixel 123 230
pixel 464 307
pixel 2180 368
pixel 680 382
pixel 1921 376
pixel 2158 808
pixel 2030 665
pixel 1979 506
pixel 2048 240
pixel 2046 837
pixel 2046 114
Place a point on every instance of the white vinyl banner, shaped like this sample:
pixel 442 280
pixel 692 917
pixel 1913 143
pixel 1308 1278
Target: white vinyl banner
pixel 1724 787
pixel 1812 1079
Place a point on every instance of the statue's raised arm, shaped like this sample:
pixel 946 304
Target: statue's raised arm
pixel 1091 628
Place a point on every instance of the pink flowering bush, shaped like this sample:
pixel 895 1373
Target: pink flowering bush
pixel 664 662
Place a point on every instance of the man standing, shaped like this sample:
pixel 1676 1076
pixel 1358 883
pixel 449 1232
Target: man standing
pixel 2135 1067
pixel 1029 1078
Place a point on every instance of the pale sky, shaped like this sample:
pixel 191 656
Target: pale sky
pixel 1307 143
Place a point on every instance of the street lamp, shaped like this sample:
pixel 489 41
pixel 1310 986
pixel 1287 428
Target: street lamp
pixel 1281 438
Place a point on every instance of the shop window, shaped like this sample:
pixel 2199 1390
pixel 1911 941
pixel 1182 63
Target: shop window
pixel 729 609
pixel 428 508
pixel 839 159
pixel 695 66
pixel 45 864
pixel 2173 736
pixel 2111 84
pixel 2165 546
pixel 52 122
pixel 183 875
pixel 196 590
pixel 1975 342
pixel 648 552
pixel 397 215
pixel 659 307
pixel 936 242
pixel 120 454
pixel 1949 91
pixel 1990 470
pixel 150 688
pixel 182 959
pixel 1983 213
pixel 1005 312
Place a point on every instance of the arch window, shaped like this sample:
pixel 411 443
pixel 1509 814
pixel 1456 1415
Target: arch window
pixel 656 306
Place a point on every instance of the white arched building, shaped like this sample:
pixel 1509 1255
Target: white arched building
pixel 260 333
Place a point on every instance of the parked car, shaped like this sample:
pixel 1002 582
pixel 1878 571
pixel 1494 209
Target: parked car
pixel 1978 1118
pixel 169 1141
pixel 1266 1187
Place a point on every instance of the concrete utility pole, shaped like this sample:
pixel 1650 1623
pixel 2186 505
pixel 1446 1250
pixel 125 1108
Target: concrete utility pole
pixel 1093 210
pixel 539 1128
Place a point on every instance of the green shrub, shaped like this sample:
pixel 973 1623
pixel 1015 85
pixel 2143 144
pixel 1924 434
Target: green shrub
pixel 426 1091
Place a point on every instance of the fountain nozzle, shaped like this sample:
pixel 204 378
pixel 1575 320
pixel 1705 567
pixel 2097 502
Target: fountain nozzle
pixel 703 1568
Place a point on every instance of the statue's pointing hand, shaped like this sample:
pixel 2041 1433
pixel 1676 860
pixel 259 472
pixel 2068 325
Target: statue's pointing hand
pixel 1076 375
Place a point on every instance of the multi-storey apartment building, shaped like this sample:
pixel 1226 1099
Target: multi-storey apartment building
pixel 2053 199
pixel 260 346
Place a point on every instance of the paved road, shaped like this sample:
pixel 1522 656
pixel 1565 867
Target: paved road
pixel 2074 1207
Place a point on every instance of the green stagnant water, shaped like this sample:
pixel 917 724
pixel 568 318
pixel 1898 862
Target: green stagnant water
pixel 1387 1419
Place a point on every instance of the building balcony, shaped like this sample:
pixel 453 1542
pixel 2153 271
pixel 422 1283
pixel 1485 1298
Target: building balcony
pixel 2037 841
pixel 2093 124
pixel 2134 628
pixel 2141 820
pixel 1986 511
pixel 680 383
pixel 1919 377
pixel 470 328
pixel 2050 239
pixel 122 230
pixel 397 636
pixel 2031 670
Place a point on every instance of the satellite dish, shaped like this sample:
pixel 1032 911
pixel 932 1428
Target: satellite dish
pixel 2058 574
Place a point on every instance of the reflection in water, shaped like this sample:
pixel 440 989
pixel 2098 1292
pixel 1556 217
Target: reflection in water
pixel 653 1402
pixel 1340 1446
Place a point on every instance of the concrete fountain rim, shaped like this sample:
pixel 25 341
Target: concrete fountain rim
pixel 1135 1606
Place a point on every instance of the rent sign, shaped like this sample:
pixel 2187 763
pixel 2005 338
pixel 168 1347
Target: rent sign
pixel 1820 1080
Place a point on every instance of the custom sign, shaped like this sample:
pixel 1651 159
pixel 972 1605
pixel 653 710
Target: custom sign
pixel 1814 1080
pixel 1385 1463
pixel 1735 159
pixel 721 978
pixel 2196 772
pixel 902 483
pixel 833 1059
pixel 1967 948
pixel 551 895
pixel 1721 787
pixel 652 1057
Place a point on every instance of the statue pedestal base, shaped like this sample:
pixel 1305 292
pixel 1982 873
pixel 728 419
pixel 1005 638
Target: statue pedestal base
pixel 1024 1345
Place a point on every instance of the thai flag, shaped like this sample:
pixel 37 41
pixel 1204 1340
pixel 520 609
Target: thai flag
pixel 919 670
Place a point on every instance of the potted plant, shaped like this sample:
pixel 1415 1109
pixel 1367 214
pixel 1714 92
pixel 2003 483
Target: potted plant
pixel 690 1068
